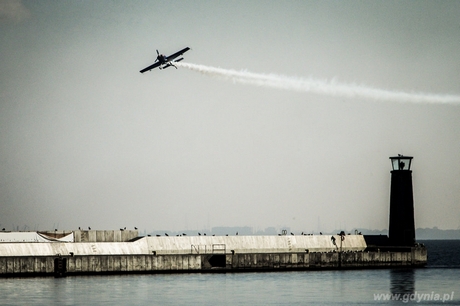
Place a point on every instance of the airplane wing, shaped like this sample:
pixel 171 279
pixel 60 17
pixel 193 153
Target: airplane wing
pixel 178 53
pixel 150 67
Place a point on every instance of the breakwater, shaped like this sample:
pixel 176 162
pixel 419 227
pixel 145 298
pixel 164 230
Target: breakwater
pixel 59 265
pixel 95 253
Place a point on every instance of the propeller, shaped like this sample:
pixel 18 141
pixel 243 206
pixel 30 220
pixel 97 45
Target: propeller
pixel 158 54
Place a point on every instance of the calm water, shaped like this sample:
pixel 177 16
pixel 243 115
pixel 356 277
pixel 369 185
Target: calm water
pixel 441 277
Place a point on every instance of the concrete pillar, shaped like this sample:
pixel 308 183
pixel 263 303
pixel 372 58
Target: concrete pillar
pixel 100 236
pixel 77 236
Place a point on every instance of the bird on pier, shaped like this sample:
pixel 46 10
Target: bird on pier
pixel 166 234
pixel 79 228
pixel 135 228
pixel 158 235
pixel 199 234
pixel 292 234
pixel 89 228
pixel 320 233
pixel 183 234
pixel 237 233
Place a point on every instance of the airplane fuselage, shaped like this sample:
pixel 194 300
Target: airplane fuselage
pixel 162 59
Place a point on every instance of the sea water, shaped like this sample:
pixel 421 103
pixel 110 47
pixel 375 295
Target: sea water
pixel 438 283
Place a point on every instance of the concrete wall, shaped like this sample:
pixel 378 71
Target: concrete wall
pixel 181 245
pixel 36 236
pixel 100 264
pixel 95 264
pixel 77 248
pixel 105 235
pixel 326 260
pixel 253 244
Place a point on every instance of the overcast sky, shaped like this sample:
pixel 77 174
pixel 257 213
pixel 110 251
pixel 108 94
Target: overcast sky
pixel 87 140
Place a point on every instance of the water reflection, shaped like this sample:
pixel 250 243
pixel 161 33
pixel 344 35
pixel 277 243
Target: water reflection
pixel 402 281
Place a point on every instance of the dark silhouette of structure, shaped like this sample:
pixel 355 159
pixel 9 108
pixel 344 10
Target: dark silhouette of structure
pixel 402 224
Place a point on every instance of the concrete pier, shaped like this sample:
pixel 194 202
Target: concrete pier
pixel 201 254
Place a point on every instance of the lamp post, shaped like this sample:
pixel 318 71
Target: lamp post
pixel 402 224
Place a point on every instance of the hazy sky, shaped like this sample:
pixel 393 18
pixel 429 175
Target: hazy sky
pixel 87 140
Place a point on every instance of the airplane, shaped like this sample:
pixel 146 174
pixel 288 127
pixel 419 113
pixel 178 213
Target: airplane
pixel 164 62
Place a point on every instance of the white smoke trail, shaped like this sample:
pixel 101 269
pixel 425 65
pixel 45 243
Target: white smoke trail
pixel 331 88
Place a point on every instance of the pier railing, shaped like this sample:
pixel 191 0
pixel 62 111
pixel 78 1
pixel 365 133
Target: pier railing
pixel 219 248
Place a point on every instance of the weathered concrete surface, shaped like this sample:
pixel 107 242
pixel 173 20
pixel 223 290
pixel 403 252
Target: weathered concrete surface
pixel 187 245
pixel 105 235
pixel 82 248
pixel 200 253
pixel 99 264
pixel 70 236
pixel 327 260
pixel 253 244
pixel 36 236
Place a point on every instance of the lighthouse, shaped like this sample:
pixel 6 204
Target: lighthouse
pixel 402 224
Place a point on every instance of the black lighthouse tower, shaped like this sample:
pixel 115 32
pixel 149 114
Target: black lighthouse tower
pixel 402 224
